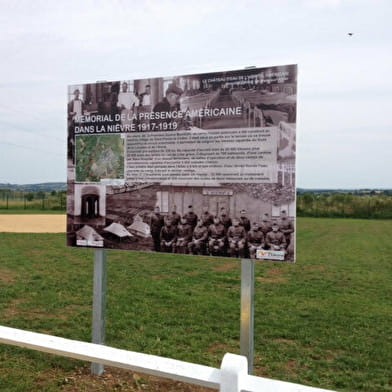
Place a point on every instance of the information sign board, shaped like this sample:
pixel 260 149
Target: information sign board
pixel 194 164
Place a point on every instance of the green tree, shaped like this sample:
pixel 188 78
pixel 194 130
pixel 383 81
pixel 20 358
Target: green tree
pixel 29 196
pixel 41 195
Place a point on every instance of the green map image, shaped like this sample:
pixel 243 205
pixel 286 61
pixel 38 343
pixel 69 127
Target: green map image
pixel 98 157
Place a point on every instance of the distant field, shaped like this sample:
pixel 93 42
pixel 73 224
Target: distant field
pixel 20 202
pixel 325 321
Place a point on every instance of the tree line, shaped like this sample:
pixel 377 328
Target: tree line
pixel 18 200
pixel 345 205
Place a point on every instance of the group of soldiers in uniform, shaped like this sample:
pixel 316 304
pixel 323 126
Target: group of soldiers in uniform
pixel 219 235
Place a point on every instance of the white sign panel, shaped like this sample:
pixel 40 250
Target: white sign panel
pixel 192 164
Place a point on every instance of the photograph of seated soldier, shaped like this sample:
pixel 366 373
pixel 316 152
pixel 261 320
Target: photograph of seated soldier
pixel 184 236
pixel 221 235
pixel 198 244
pixel 255 240
pixel 168 236
pixel 275 239
pixel 217 238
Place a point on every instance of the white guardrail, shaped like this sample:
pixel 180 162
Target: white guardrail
pixel 231 377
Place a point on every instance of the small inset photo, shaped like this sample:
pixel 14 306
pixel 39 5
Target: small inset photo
pixel 89 206
pixel 99 157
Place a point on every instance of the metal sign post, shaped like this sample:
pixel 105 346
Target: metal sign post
pixel 99 304
pixel 247 310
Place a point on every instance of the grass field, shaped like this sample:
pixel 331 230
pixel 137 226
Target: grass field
pixel 326 321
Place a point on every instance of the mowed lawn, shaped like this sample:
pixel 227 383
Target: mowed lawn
pixel 325 321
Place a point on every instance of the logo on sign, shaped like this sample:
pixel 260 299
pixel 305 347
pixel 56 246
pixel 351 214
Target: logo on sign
pixel 270 254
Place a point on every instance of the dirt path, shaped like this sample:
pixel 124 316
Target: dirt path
pixel 32 223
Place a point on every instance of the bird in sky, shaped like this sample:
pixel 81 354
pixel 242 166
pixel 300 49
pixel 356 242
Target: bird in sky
pixel 350 34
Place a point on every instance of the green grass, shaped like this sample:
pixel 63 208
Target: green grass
pixel 17 211
pixel 325 321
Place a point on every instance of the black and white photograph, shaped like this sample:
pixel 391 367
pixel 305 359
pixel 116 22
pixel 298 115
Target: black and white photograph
pixel 197 164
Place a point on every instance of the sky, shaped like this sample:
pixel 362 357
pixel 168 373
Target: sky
pixel 344 123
